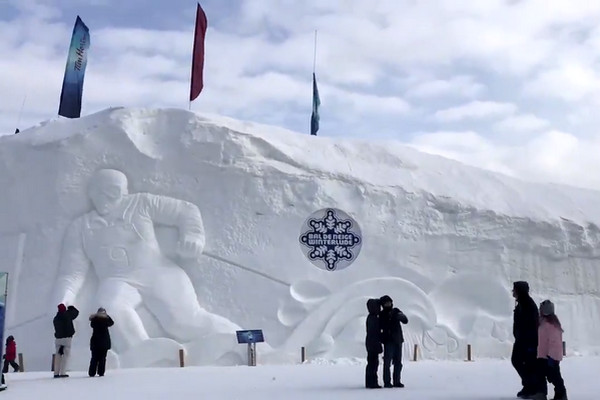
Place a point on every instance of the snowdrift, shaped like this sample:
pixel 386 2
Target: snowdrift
pixel 443 239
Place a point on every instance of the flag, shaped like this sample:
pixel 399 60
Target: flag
pixel 316 102
pixel 198 54
pixel 72 88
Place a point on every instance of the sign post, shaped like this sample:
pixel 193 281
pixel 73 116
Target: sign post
pixel 250 337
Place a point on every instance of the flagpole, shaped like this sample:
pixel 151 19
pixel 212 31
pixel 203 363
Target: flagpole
pixel 21 111
pixel 315 54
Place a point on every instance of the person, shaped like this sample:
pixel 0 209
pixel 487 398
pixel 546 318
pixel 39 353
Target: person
pixel 392 338
pixel 525 331
pixel 549 353
pixel 100 341
pixel 63 334
pixel 373 344
pixel 10 355
pixel 117 240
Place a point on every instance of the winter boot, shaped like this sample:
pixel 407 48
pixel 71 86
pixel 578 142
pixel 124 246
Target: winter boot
pixel 560 396
pixel 538 396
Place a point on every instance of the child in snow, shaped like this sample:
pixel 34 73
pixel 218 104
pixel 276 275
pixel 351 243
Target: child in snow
pixel 373 344
pixel 10 355
pixel 549 353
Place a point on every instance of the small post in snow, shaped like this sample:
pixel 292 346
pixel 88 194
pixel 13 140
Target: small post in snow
pixel 469 353
pixel 21 364
pixel 415 352
pixel 181 358
pixel 303 354
pixel 564 348
pixel 53 357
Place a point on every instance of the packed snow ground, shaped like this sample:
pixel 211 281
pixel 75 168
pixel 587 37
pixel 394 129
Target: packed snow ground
pixel 425 380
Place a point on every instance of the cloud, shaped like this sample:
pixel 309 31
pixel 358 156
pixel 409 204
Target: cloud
pixel 569 82
pixel 475 110
pixel 550 156
pixel 458 86
pixel 472 75
pixel 522 123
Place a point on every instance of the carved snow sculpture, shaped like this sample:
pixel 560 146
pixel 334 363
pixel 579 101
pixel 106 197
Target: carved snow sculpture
pixel 117 242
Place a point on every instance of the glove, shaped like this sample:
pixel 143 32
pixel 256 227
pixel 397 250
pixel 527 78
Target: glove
pixel 61 350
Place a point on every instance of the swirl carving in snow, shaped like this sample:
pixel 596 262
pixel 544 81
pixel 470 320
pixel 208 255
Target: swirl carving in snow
pixel 442 322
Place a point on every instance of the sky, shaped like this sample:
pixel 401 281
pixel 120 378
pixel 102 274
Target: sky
pixel 511 86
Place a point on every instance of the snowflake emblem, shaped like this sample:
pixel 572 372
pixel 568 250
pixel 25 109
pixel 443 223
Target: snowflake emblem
pixel 331 239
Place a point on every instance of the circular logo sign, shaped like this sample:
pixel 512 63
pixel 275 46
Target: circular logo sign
pixel 330 239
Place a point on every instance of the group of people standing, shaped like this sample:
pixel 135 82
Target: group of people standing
pixel 384 335
pixel 536 355
pixel 64 331
pixel 538 347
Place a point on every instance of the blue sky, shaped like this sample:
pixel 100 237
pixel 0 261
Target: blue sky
pixel 508 85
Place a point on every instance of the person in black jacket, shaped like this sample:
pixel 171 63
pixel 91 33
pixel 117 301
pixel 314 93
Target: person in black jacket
pixel 100 341
pixel 525 331
pixel 63 334
pixel 373 344
pixel 392 338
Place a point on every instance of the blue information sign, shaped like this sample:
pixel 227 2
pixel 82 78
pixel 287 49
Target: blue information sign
pixel 250 336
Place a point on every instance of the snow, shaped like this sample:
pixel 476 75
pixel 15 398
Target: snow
pixel 445 240
pixel 430 380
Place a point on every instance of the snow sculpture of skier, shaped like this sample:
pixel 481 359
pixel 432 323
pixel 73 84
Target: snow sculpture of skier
pixel 118 241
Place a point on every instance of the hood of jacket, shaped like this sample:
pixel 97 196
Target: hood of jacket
pixel 374 306
pixel 521 289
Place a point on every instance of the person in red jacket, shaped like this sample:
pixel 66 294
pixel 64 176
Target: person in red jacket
pixel 10 355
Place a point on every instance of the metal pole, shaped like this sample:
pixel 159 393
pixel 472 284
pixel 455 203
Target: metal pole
pixel 249 354
pixel 315 54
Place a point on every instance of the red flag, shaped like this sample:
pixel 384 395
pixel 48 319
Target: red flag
pixel 198 54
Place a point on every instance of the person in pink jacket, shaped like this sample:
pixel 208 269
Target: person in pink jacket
pixel 549 353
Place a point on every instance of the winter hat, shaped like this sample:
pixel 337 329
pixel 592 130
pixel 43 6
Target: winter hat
pixel 384 299
pixel 546 308
pixel 101 310
pixel 62 308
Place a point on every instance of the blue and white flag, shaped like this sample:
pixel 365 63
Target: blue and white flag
pixel 316 102
pixel 72 88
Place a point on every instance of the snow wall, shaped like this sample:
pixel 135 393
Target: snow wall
pixel 444 240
